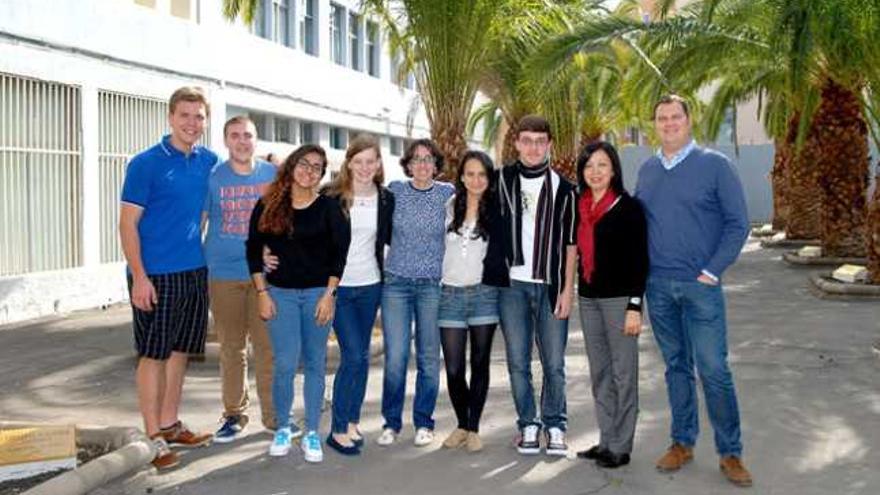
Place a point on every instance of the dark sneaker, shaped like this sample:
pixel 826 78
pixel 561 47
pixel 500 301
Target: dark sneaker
pixel 556 442
pixel 181 436
pixel 231 428
pixel 528 444
pixel 165 458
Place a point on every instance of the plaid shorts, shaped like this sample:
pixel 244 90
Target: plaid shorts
pixel 179 321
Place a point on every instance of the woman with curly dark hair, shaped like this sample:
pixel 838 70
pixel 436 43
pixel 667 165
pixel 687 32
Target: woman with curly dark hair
pixel 473 269
pixel 310 236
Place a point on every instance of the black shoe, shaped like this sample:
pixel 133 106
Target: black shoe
pixel 342 449
pixel 594 452
pixel 611 460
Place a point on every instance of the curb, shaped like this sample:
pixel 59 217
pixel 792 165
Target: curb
pixel 131 450
pixel 840 290
pixel 788 243
pixel 792 258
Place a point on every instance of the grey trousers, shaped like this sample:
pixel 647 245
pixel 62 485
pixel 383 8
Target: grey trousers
pixel 614 370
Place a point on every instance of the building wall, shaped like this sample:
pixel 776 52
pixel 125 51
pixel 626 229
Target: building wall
pixel 146 49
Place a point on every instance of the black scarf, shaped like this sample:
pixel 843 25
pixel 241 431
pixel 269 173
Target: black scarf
pixel 543 215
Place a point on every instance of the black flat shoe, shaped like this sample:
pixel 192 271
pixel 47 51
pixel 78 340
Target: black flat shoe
pixel 342 449
pixel 611 460
pixel 593 452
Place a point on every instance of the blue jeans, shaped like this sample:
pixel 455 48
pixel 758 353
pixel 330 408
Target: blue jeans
pixel 689 324
pixel 355 314
pixel 293 330
pixel 405 299
pixel 526 317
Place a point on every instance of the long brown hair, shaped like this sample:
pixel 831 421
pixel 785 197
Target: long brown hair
pixel 277 216
pixel 343 185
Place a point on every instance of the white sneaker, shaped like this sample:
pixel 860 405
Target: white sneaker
pixel 424 437
pixel 281 443
pixel 556 442
pixel 528 444
pixel 387 437
pixel 311 447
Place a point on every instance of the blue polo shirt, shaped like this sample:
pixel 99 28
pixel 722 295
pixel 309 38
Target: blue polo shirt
pixel 171 188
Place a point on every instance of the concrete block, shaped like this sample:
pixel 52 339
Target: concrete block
pixel 850 274
pixel 31 450
pixel 810 252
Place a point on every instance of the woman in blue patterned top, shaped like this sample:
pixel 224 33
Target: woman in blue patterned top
pixel 412 289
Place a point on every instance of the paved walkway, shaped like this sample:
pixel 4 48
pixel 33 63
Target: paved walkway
pixel 806 375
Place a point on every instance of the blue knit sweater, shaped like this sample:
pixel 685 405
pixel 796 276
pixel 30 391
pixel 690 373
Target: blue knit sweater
pixel 696 215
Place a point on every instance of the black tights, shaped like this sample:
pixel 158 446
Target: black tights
pixel 467 401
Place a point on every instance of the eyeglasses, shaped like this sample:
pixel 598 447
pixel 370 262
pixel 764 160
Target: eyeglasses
pixel 314 168
pixel 423 160
pixel 540 142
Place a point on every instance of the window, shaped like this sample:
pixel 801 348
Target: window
pixel 281 21
pixel 373 49
pixel 395 146
pixel 259 26
pixel 307 41
pixel 261 124
pixel 306 132
pixel 282 130
pixel 338 138
pixel 355 41
pixel 337 41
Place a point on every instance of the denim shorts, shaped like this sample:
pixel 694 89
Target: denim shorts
pixel 461 307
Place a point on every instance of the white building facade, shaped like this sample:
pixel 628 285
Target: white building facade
pixel 84 85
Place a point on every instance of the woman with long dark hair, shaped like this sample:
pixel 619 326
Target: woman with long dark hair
pixel 613 269
pixel 473 269
pixel 310 236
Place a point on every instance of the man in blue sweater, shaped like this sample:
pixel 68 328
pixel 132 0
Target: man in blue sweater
pixel 697 224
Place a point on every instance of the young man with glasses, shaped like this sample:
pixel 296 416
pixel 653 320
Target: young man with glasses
pixel 538 208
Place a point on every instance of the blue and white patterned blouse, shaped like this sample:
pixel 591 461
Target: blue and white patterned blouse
pixel 418 230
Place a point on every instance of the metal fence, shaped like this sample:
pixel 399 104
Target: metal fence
pixel 40 175
pixel 126 125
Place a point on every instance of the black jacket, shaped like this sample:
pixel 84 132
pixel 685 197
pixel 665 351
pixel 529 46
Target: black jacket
pixel 564 225
pixel 620 266
pixel 383 232
pixel 495 269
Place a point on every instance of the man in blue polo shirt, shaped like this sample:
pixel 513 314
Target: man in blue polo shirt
pixel 159 225
pixel 697 224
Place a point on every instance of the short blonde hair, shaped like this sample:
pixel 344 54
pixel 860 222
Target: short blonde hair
pixel 191 94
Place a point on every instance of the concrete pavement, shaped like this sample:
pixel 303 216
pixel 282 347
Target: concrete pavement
pixel 805 372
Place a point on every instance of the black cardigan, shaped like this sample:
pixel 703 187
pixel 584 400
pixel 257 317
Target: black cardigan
pixel 620 254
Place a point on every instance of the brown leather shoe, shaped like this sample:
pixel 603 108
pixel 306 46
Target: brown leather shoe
pixel 165 458
pixel 677 456
pixel 734 470
pixel 181 436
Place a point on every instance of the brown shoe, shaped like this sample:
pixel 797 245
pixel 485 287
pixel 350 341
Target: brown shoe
pixel 474 444
pixel 734 470
pixel 181 436
pixel 456 439
pixel 165 458
pixel 677 456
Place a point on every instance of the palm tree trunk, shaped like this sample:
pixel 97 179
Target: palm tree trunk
pixel 873 233
pixel 841 151
pixel 508 151
pixel 802 186
pixel 781 161
pixel 448 131
pixel 564 164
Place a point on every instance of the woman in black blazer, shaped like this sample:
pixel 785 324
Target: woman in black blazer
pixel 613 267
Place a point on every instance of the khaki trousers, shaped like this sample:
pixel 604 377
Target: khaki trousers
pixel 237 320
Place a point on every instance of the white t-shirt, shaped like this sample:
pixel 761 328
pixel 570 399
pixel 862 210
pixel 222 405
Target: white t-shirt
pixel 531 190
pixel 463 259
pixel 361 267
